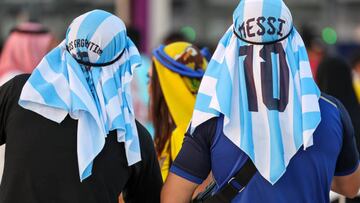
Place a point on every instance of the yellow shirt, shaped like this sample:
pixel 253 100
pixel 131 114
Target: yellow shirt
pixel 171 150
pixel 356 83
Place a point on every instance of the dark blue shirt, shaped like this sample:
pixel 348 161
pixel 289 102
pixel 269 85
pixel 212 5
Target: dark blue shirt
pixel 308 176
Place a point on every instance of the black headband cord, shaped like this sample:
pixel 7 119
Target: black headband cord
pixel 85 63
pixel 262 43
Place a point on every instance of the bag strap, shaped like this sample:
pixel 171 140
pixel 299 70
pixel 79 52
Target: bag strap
pixel 235 185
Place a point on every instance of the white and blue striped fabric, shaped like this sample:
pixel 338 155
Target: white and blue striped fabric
pixel 98 97
pixel 269 137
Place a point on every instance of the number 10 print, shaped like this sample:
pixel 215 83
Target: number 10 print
pixel 271 101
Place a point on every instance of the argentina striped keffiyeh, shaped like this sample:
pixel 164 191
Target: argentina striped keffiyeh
pixel 260 79
pixel 88 77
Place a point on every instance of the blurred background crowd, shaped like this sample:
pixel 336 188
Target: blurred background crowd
pixel 330 30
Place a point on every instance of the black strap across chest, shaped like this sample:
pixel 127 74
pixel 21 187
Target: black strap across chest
pixel 235 185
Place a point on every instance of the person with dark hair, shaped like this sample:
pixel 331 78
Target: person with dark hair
pixel 69 127
pixel 260 122
pixel 334 78
pixel 175 37
pixel 314 47
pixel 175 78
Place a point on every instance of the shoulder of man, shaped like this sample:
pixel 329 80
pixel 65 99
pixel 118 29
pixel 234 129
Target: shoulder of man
pixel 16 82
pixel 11 90
pixel 336 105
pixel 330 100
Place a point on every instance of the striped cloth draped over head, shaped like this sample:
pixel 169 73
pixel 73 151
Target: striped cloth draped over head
pixel 259 78
pixel 96 94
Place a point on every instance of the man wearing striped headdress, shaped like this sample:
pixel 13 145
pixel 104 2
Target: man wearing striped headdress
pixel 70 127
pixel 260 123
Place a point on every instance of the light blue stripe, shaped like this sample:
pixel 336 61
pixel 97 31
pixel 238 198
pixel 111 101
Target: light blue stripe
pixel 302 54
pixel 135 145
pixel 46 90
pixel 109 90
pixel 77 103
pixel 308 86
pixel 246 141
pixel 277 163
pixel 135 59
pixel 315 89
pixel 297 121
pixel 311 120
pixel 117 76
pixel 128 134
pixel 129 99
pixel 118 122
pixel 213 70
pixel 269 11
pixel 297 114
pixel 223 90
pixel 96 74
pixel 125 101
pixel 275 72
pixel 90 24
pixel 291 57
pixel 55 63
pixel 115 46
pixel 87 172
pixel 203 102
pixel 130 43
pixel 226 38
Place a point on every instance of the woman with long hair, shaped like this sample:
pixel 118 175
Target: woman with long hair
pixel 176 73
